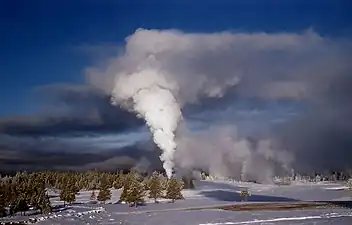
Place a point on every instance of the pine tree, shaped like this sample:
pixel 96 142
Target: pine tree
pixel 173 190
pixel 123 195
pixel 2 201
pixel 39 199
pixel 164 183
pixel 135 192
pixel 68 194
pixel 104 191
pixel 7 193
pixel 92 196
pixel 71 196
pixel 118 182
pixel 154 186
pixel 12 198
pixel 349 184
pixel 145 183
pixel 245 193
pixel 21 205
pixel 43 202
pixel 127 179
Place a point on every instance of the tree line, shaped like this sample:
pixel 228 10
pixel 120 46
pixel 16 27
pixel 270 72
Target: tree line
pixel 26 191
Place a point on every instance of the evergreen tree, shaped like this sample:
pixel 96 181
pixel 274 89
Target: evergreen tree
pixel 71 196
pixel 7 193
pixel 135 192
pixel 21 205
pixel 349 184
pixel 164 183
pixel 2 200
pixel 118 182
pixel 20 201
pixel 43 202
pixel 104 191
pixel 39 199
pixel 127 179
pixel 154 186
pixel 15 199
pixel 173 190
pixel 317 178
pixel 145 183
pixel 68 194
pixel 123 195
pixel 245 193
pixel 92 196
pixel 74 185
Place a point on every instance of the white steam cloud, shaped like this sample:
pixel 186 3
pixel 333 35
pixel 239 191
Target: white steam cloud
pixel 220 151
pixel 161 71
pixel 153 100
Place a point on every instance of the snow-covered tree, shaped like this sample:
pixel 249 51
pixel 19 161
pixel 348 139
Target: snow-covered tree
pixel 2 201
pixel 173 190
pixel 135 192
pixel 349 184
pixel 93 196
pixel 68 195
pixel 104 191
pixel 245 194
pixel 44 202
pixel 155 187
pixel 126 181
pixel 317 178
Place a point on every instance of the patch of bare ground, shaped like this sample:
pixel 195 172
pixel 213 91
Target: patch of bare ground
pixel 274 206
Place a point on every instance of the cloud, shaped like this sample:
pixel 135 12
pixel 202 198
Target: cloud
pixel 207 73
pixel 279 65
pixel 221 151
pixel 75 121
pixel 214 70
pixel 70 109
pixel 321 138
pixel 125 157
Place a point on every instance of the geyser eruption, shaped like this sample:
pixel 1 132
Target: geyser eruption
pixel 156 104
pixel 160 71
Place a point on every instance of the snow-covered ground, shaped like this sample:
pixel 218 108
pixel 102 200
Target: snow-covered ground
pixel 210 217
pixel 206 194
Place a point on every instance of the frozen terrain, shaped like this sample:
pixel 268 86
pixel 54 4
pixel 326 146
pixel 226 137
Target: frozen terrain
pixel 199 207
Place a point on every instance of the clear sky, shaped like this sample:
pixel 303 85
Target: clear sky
pixel 42 42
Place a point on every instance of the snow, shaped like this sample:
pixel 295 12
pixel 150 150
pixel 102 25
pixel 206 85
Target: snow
pixel 197 207
pixel 285 219
pixel 338 188
pixel 181 217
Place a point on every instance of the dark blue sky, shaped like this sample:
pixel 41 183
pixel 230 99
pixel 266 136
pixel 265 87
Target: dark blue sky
pixel 39 39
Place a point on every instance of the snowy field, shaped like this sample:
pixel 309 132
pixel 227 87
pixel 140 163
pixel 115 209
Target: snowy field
pixel 195 209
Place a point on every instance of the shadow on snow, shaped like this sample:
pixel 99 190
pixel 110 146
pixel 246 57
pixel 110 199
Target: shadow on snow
pixel 231 196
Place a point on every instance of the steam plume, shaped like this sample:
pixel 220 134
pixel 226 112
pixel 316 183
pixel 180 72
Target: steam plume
pixel 149 96
pixel 221 151
pixel 161 71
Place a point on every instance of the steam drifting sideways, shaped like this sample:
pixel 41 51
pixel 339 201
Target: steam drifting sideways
pixel 161 71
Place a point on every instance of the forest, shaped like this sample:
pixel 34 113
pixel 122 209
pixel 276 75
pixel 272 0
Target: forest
pixel 29 191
